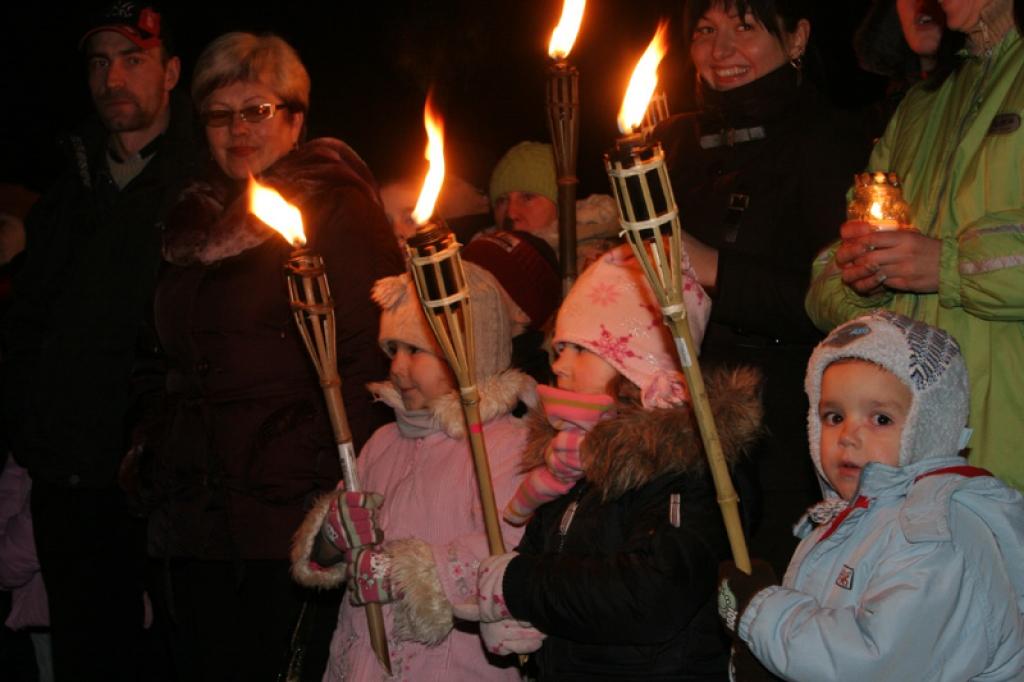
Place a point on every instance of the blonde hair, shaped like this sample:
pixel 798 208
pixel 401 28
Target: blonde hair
pixel 247 57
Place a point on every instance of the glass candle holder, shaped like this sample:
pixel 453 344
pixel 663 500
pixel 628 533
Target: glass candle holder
pixel 878 200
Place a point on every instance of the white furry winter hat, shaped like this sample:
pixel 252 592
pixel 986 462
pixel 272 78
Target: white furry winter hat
pixel 402 319
pixel 925 358
pixel 612 311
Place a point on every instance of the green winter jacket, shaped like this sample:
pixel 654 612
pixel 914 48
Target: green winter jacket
pixel 959 151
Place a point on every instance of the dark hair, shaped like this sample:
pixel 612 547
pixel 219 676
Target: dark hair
pixel 881 46
pixel 776 15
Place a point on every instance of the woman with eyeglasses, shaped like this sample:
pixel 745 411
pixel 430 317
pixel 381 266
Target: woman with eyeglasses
pixel 244 444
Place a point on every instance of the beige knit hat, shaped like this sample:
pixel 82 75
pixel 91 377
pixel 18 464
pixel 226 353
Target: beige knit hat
pixel 402 319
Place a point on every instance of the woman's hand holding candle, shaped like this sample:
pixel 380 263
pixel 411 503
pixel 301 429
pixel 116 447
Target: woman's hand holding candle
pixel 871 261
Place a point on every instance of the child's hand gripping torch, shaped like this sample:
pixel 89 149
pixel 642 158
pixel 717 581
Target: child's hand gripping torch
pixel 313 309
pixel 647 211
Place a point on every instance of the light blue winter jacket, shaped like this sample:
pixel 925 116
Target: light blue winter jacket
pixel 920 581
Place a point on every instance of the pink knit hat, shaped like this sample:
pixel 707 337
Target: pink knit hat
pixel 611 311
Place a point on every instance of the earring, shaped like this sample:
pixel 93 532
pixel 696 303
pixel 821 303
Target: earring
pixel 797 62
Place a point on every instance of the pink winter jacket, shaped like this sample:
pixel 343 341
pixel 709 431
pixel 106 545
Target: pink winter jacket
pixel 432 521
pixel 19 565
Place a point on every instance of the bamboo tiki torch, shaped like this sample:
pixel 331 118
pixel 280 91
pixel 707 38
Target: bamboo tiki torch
pixel 563 104
pixel 647 211
pixel 313 308
pixel 436 268
pixel 657 111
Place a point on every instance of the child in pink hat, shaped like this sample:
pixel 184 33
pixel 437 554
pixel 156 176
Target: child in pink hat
pixel 615 576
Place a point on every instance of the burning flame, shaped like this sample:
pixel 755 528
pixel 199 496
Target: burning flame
pixel 876 210
pixel 270 207
pixel 435 175
pixel 564 35
pixel 643 82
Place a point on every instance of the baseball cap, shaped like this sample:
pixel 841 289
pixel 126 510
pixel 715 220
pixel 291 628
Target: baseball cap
pixel 140 24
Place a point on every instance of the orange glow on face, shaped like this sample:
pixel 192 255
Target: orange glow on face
pixel 643 82
pixel 270 207
pixel 564 35
pixel 435 156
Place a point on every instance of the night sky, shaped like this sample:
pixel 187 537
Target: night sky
pixel 371 68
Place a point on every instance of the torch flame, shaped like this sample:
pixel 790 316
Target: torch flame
pixel 876 210
pixel 435 175
pixel 270 207
pixel 564 35
pixel 643 82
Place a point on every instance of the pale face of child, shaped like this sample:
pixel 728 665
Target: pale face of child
pixel 581 371
pixel 420 376
pixel 863 411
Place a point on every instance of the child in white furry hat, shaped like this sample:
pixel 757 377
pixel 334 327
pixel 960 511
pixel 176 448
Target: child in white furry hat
pixel 421 498
pixel 912 568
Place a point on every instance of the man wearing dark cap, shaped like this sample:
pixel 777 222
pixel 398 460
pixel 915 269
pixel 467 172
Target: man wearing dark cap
pixel 79 334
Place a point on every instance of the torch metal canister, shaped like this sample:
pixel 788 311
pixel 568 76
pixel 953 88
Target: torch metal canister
pixel 649 218
pixel 436 266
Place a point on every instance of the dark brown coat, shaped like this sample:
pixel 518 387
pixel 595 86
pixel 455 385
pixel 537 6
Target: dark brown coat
pixel 245 443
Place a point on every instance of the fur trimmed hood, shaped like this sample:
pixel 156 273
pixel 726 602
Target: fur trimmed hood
pixel 639 445
pixel 211 221
pixel 499 395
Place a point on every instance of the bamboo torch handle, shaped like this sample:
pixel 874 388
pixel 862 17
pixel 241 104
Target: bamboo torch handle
pixel 471 405
pixel 346 453
pixel 728 500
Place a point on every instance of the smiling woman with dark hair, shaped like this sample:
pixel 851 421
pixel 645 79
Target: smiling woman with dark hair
pixel 760 174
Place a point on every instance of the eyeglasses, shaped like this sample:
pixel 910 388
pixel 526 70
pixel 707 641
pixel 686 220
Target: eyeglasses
pixel 218 118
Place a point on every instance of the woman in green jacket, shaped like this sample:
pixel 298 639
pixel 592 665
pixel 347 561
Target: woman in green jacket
pixel 958 146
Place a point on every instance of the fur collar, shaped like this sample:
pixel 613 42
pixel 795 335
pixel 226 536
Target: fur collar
pixel 499 395
pixel 211 221
pixel 629 451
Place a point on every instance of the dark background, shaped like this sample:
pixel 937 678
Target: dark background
pixel 371 64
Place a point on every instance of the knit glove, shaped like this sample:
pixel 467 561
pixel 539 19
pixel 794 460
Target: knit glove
pixel 744 666
pixel 351 522
pixel 369 577
pixel 736 589
pixel 490 603
pixel 572 415
pixel 508 636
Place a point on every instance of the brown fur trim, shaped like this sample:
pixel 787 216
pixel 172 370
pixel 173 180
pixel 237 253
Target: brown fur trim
pixel 423 614
pixel 638 445
pixel 304 570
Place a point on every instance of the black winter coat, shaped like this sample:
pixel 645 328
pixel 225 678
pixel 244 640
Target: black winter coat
pixel 768 205
pixel 81 318
pixel 246 444
pixel 623 584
